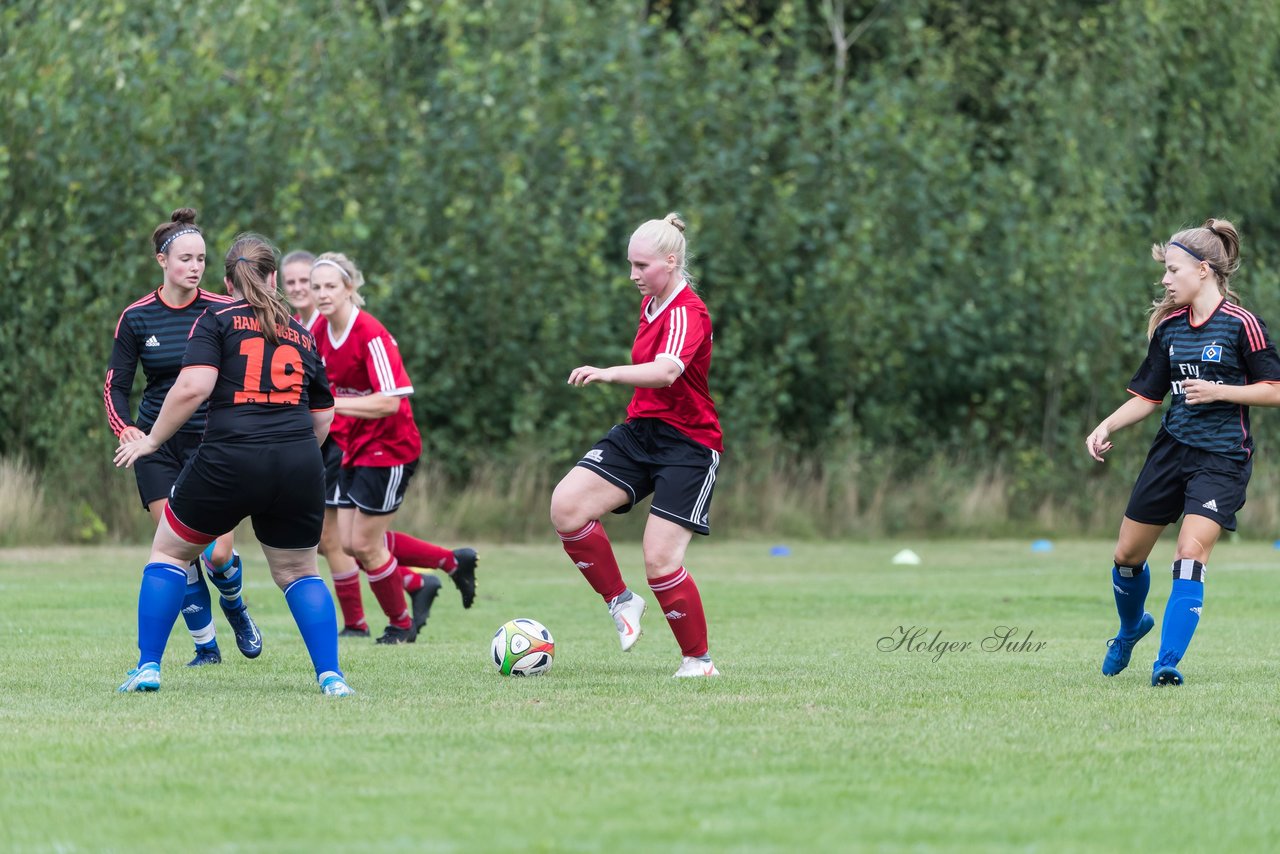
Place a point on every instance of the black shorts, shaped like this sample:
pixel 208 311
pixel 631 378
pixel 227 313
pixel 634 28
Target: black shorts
pixel 1178 479
pixel 332 455
pixel 650 456
pixel 157 472
pixel 279 486
pixel 374 490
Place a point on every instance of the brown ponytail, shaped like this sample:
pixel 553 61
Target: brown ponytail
pixel 1216 243
pixel 249 264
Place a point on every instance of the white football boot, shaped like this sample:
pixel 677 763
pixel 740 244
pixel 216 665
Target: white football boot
pixel 691 667
pixel 626 617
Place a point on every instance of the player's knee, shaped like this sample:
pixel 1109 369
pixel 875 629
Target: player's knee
pixel 1125 558
pixel 566 516
pixel 221 553
pixel 657 565
pixel 1191 549
pixel 370 552
pixel 284 574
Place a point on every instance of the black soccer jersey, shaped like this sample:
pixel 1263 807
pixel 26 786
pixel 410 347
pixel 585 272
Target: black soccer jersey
pixel 1232 347
pixel 265 392
pixel 154 333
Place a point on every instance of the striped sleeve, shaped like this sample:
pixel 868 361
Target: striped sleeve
pixel 685 333
pixel 386 372
pixel 1260 359
pixel 1255 335
pixel 120 373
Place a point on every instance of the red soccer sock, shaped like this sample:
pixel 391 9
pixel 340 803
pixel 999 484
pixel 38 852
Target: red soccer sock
pixel 347 588
pixel 592 553
pixel 411 551
pixel 389 590
pixel 681 604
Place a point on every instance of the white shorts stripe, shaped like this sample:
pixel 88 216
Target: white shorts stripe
pixel 700 508
pixel 395 475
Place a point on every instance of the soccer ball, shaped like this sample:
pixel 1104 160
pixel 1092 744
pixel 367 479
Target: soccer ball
pixel 523 647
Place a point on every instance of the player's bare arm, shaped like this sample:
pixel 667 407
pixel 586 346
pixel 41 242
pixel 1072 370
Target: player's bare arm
pixel 369 406
pixel 659 373
pixel 1130 412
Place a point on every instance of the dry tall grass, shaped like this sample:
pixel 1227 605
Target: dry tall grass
pixel 23 518
pixel 758 495
pixel 766 495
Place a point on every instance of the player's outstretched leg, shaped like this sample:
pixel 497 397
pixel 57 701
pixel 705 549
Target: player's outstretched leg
pixel 459 564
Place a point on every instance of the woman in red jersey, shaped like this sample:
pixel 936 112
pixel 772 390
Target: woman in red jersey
pixel 380 448
pixel 669 447
pixel 153 332
pixel 295 268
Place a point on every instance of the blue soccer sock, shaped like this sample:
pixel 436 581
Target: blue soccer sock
pixel 159 601
pixel 196 611
pixel 312 609
pixel 1130 585
pixel 1182 613
pixel 227 578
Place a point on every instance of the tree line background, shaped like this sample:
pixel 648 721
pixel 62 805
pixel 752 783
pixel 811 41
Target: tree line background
pixel 921 226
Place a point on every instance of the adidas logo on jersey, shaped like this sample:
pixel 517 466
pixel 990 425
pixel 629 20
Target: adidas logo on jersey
pixel 192 609
pixel 673 614
pixel 153 341
pixel 582 564
pixel 1210 505
pixel 1195 611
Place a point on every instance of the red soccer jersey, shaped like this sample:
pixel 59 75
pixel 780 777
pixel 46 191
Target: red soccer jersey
pixel 365 359
pixel 679 330
pixel 339 421
pixel 309 325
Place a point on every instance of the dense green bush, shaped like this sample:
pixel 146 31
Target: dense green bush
pixel 921 227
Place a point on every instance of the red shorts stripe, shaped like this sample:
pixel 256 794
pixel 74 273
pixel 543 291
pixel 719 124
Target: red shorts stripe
pixel 191 535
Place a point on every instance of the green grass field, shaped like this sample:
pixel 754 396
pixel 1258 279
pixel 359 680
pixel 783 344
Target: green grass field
pixel 813 739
